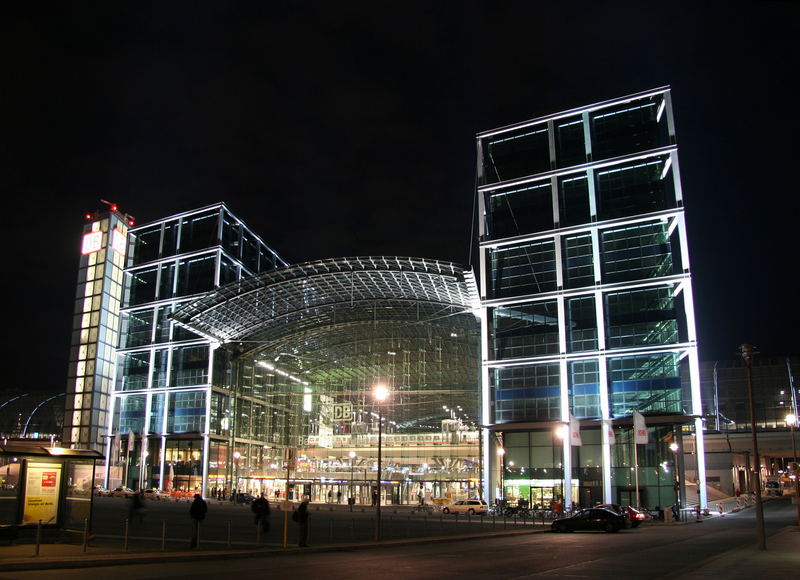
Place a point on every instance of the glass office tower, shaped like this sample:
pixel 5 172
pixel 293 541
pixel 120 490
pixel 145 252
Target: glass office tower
pixel 160 408
pixel 95 328
pixel 587 303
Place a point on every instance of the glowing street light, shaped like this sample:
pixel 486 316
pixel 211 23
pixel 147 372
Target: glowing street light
pixel 380 393
pixel 236 457
pixel 502 455
pixel 791 420
pixel 350 498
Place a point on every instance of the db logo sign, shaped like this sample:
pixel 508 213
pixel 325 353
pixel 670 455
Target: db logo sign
pixel 343 412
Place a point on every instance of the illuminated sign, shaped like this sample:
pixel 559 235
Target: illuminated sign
pixel 118 240
pixel 41 493
pixel 92 242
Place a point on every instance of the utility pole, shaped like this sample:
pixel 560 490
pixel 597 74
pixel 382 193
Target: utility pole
pixel 748 351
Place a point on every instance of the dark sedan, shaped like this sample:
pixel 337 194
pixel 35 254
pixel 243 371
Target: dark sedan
pixel 592 519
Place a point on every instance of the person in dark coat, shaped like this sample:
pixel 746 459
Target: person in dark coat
pixel 260 509
pixel 301 517
pixel 137 507
pixel 197 511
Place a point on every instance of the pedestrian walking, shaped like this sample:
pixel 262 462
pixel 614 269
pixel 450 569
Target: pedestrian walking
pixel 197 511
pixel 136 509
pixel 300 516
pixel 260 509
pixel 339 496
pixel 330 495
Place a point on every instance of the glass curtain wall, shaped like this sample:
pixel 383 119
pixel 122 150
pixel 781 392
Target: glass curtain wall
pixel 586 292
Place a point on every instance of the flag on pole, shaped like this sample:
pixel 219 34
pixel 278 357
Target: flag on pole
pixel 612 439
pixel 574 431
pixel 639 429
pixel 116 447
pixel 131 442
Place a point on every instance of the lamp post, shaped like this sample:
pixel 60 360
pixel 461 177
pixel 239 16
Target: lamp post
pixel 747 351
pixel 236 456
pixel 380 393
pixel 791 420
pixel 501 454
pixel 350 499
pixel 562 434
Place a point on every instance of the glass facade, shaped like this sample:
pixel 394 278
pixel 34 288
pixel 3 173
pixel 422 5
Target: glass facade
pixel 95 330
pixel 307 345
pixel 587 296
pixel 163 394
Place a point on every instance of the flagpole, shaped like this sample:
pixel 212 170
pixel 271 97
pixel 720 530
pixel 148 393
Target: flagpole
pixel 636 469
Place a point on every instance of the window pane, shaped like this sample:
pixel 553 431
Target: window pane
pixel 636 252
pixel 581 324
pixel 526 269
pixel 584 385
pixel 517 153
pixel 634 188
pixel 570 147
pixel 520 210
pixel 142 286
pixel 199 232
pixel 628 127
pixel 189 366
pixel 641 317
pixel 530 393
pixel 650 383
pixel 527 330
pixel 578 261
pixel 573 200
pixel 146 245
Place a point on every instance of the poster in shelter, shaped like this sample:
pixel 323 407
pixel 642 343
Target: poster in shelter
pixel 41 493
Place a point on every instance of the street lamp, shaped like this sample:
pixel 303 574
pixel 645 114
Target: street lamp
pixel 350 499
pixel 236 456
pixel 380 393
pixel 791 420
pixel 562 433
pixel 748 351
pixel 502 455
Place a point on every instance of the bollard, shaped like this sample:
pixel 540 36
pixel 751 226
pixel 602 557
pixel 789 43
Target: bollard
pixel 353 522
pixel 229 534
pixel 258 533
pixel 38 536
pixel 125 535
pixel 85 534
pixel 163 535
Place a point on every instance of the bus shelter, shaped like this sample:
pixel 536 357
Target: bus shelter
pixel 51 485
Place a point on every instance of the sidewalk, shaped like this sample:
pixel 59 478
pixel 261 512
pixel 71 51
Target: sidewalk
pixel 781 559
pixel 110 553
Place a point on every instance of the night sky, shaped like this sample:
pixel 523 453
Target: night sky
pixel 347 128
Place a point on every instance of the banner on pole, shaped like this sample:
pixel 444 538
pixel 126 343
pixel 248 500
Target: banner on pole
pixel 574 431
pixel 131 442
pixel 612 439
pixel 639 429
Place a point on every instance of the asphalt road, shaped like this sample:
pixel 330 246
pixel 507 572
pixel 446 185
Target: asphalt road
pixel 654 551
pixel 329 524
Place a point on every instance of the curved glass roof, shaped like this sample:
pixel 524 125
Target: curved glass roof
pixel 338 326
pixel 318 294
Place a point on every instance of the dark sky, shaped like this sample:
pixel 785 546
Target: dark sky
pixel 347 128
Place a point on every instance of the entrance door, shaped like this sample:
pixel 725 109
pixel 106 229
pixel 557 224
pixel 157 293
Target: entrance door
pixel 542 497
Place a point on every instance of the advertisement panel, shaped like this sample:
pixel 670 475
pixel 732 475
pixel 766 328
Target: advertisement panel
pixel 41 494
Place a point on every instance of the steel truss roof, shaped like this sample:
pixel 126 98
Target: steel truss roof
pixel 332 293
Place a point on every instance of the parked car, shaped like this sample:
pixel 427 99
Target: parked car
pixel 122 492
pixel 156 494
pixel 100 490
pixel 467 506
pixel 600 519
pixel 633 516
